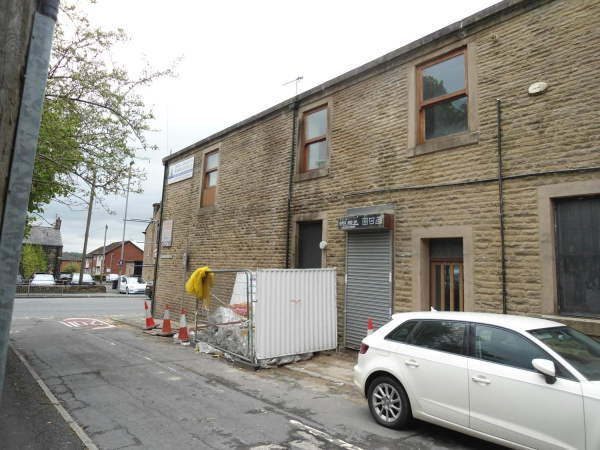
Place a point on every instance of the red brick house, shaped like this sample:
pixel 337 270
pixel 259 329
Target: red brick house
pixel 68 258
pixel 133 257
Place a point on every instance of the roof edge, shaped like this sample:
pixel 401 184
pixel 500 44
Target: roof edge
pixel 480 16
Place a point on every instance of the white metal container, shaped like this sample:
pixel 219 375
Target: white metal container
pixel 295 312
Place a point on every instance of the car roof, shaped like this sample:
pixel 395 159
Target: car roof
pixel 519 323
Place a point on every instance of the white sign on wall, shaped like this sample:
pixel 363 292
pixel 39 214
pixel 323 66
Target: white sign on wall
pixel 181 170
pixel 167 233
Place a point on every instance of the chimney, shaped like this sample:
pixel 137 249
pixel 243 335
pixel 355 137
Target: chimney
pixel 57 223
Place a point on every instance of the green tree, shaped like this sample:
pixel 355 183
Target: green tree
pixel 94 120
pixel 72 267
pixel 33 260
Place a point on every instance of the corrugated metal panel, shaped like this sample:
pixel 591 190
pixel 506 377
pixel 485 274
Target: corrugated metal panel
pixel 295 312
pixel 368 283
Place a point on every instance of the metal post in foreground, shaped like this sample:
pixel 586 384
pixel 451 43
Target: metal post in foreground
pixel 121 262
pixel 21 169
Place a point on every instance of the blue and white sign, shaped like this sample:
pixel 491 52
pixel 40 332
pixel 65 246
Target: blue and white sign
pixel 181 170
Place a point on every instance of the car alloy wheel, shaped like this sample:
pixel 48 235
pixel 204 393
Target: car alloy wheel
pixel 389 403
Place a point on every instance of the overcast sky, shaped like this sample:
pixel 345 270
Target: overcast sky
pixel 237 55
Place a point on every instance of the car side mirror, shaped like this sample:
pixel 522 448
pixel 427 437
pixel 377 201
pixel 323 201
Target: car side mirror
pixel 546 368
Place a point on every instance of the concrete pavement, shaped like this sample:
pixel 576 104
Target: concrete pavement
pixel 28 419
pixel 336 367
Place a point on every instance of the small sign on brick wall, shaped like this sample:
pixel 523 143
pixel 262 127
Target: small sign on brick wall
pixel 167 233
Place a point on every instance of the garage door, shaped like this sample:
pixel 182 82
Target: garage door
pixel 368 283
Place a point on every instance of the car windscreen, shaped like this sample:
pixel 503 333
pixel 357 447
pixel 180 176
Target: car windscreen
pixel 135 280
pixel 579 350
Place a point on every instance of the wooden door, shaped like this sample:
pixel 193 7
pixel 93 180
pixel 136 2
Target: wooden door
pixel 446 285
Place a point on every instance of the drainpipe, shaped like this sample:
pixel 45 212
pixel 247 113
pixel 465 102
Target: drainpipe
pixel 291 184
pixel 501 206
pixel 159 225
pixel 21 169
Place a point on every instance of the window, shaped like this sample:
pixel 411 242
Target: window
pixel 504 347
pixel 443 97
pixel 209 184
pixel 400 333
pixel 314 152
pixel 578 255
pixel 444 336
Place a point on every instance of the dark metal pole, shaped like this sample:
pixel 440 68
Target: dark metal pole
pixel 158 239
pixel 501 206
pixel 21 168
pixel 291 184
pixel 185 261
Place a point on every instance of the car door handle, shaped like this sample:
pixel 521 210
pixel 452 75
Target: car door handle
pixel 481 380
pixel 411 363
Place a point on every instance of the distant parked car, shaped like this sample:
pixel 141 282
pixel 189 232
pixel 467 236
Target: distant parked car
pixel 64 278
pixel 87 279
pixel 42 279
pixel 112 277
pixel 150 289
pixel 132 285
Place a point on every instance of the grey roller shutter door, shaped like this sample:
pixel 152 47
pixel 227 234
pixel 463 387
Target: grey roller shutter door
pixel 368 283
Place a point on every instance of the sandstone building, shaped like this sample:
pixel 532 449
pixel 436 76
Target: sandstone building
pixel 393 168
pixel 50 241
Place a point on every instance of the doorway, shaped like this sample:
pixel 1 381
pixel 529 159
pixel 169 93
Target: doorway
pixel 446 274
pixel 309 253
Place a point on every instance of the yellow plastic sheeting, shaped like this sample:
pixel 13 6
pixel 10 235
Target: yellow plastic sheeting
pixel 200 283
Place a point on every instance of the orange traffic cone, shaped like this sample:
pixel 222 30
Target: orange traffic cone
pixel 149 320
pixel 370 328
pixel 183 331
pixel 166 327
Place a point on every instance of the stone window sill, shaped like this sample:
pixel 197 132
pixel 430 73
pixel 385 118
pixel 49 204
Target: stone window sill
pixel 311 175
pixel 445 144
pixel 207 209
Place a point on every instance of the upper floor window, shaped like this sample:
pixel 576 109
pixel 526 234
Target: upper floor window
pixel 314 152
pixel 209 184
pixel 443 97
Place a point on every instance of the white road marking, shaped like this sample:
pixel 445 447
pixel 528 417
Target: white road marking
pixel 95 324
pixel 324 435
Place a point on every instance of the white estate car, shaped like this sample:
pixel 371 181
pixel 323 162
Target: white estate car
pixel 517 381
pixel 132 285
pixel 42 279
pixel 112 277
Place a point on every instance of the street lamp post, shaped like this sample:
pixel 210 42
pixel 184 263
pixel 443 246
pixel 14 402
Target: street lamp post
pixel 124 225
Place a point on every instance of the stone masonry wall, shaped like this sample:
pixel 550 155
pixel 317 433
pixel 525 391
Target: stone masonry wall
pixel 556 42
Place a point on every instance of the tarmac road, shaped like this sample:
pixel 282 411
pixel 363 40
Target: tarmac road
pixel 127 389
